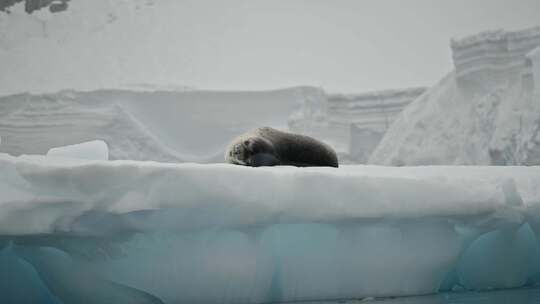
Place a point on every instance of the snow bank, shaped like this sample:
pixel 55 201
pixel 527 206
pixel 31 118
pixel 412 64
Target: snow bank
pixel 486 112
pixel 146 232
pixel 168 126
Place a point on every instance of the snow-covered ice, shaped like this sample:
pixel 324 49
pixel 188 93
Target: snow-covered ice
pixel 219 233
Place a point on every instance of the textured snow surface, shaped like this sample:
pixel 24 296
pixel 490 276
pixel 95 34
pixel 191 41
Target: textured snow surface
pixel 90 231
pixel 486 112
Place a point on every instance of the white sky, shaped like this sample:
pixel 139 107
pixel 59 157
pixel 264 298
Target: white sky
pixel 341 45
pixel 350 45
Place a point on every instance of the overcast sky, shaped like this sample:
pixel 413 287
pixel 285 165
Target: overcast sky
pixel 341 45
pixel 349 45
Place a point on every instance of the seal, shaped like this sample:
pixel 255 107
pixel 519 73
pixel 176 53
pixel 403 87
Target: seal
pixel 266 146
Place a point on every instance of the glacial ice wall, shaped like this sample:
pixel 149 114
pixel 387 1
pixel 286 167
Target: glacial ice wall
pixel 353 123
pixel 493 51
pixel 147 232
pixel 195 126
pixel 168 126
pixel 486 112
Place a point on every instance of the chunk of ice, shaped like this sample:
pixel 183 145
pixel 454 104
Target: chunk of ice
pixel 95 150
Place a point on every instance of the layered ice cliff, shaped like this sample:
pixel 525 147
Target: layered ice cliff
pixel 485 112
pixel 91 231
pixel 352 123
pixel 195 126
pixel 169 126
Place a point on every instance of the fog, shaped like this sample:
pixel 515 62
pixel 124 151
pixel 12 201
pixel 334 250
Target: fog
pixel 341 46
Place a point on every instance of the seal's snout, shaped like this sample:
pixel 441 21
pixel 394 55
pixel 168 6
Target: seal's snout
pixel 237 154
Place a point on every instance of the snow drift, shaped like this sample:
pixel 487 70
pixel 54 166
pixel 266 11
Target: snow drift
pixel 147 232
pixel 486 112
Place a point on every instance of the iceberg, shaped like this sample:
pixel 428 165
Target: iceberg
pixel 93 231
pixel 485 112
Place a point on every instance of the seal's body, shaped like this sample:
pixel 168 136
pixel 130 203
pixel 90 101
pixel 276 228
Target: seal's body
pixel 270 147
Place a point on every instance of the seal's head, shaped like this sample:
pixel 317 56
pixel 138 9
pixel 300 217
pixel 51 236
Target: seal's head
pixel 248 151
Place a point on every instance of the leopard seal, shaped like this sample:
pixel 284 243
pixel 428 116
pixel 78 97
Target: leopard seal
pixel 266 146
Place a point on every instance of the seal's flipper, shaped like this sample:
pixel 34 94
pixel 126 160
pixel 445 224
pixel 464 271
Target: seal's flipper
pixel 264 159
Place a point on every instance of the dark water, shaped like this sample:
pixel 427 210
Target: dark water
pixel 511 296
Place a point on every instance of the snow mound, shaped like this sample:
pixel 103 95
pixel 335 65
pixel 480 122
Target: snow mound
pixel 486 112
pixel 96 149
pixel 147 232
pixel 167 126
